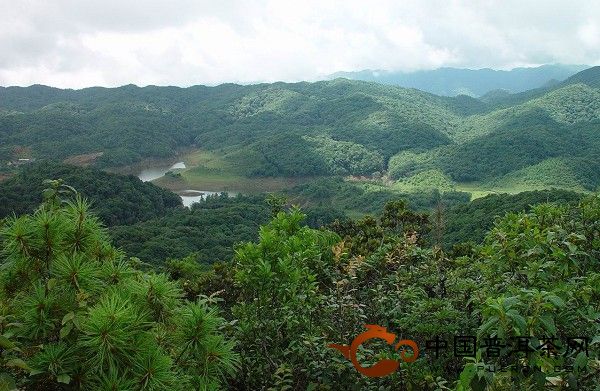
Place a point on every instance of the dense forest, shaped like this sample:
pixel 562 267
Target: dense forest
pixel 440 220
pixel 115 199
pixel 208 230
pixel 336 127
pixel 77 313
pixel 470 222
pixel 150 223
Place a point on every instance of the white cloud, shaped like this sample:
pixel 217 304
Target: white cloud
pixel 78 43
pixel 589 34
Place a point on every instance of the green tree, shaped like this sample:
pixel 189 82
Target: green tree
pixel 87 318
pixel 278 325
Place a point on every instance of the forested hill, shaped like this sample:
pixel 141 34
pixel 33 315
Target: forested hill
pixel 475 82
pixel 116 199
pixel 588 76
pixel 337 127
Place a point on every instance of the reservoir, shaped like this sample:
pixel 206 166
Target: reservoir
pixel 150 174
pixel 187 196
pixel 191 196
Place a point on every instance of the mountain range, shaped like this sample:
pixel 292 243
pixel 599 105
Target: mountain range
pixel 405 138
pixel 473 82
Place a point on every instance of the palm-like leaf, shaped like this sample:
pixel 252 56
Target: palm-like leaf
pixel 153 372
pixel 55 361
pixel 158 294
pixel 110 331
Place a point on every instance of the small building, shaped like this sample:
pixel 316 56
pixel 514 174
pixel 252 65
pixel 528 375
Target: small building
pixel 20 162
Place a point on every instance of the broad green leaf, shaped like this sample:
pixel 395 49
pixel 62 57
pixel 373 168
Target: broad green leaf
pixel 7 382
pixel 518 319
pixel 510 302
pixel 48 193
pixel 580 361
pixel 6 343
pixel 556 301
pixel 66 330
pixel 548 323
pixel 17 362
pixel 478 384
pixel 540 378
pixel 467 375
pixel 572 247
pixel 69 316
pixel 487 325
pixel 64 378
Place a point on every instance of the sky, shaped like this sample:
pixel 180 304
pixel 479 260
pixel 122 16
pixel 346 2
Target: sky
pixel 82 43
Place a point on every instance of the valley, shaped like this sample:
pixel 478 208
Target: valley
pixel 274 195
pixel 339 149
pixel 271 137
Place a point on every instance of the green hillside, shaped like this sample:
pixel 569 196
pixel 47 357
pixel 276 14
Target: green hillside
pixel 308 130
pixel 115 199
pixel 469 222
pixel 587 76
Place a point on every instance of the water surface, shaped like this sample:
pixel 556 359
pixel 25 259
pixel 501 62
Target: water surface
pixel 188 197
pixel 192 196
pixel 152 173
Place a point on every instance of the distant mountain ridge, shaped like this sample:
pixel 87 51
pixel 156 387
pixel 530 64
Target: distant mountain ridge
pixel 473 82
pixel 590 77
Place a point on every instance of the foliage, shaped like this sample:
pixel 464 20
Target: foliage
pixel 86 318
pixel 278 298
pixel 344 158
pixel 366 198
pixel 209 229
pixel 335 127
pixel 535 275
pixel 425 180
pixel 281 155
pixel 76 314
pixel 487 157
pixel 116 199
pixel 470 222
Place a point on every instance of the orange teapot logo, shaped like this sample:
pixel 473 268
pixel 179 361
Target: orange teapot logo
pixel 383 367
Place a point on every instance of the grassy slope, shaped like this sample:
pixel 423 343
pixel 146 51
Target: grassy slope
pixel 570 104
pixel 210 171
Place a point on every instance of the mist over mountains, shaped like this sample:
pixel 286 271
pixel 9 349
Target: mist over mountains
pixel 473 82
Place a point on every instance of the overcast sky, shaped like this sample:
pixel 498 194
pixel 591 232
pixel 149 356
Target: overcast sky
pixel 80 43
